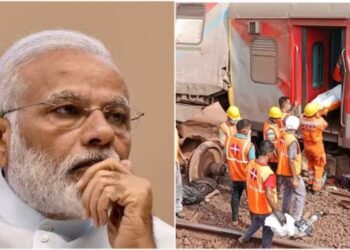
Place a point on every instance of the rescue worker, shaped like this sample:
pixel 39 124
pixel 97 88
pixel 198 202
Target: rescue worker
pixel 238 152
pixel 289 167
pixel 228 128
pixel 312 126
pixel 286 108
pixel 271 132
pixel 262 195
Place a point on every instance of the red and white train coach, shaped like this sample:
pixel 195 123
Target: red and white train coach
pixel 258 52
pixel 266 50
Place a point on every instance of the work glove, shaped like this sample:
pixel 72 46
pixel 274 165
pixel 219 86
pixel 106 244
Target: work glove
pixel 280 217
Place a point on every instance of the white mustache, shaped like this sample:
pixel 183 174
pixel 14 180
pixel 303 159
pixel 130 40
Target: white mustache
pixel 72 161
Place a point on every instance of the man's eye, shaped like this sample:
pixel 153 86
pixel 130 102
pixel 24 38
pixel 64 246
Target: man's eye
pixel 117 117
pixel 67 110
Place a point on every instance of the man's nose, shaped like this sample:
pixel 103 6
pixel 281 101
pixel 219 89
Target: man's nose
pixel 96 130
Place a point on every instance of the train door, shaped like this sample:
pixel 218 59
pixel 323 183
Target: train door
pixel 321 48
pixel 317 68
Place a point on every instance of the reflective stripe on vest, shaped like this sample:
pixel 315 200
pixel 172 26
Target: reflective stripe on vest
pixel 237 151
pixel 276 130
pixel 255 178
pixel 283 159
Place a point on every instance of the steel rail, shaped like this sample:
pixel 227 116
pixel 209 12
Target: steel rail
pixel 232 232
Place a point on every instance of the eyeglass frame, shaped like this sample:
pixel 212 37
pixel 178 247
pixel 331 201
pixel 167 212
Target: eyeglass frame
pixel 87 111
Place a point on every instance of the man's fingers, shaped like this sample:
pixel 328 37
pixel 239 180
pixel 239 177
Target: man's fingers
pixel 87 192
pixel 95 187
pixel 109 164
pixel 107 198
pixel 109 190
pixel 94 197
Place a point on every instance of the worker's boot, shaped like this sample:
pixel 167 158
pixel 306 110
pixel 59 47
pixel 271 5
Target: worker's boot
pixel 234 219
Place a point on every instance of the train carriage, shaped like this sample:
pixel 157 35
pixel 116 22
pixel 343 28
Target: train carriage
pixel 253 53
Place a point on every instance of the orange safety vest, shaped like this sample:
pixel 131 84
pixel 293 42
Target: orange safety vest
pixel 267 126
pixel 256 176
pixel 312 128
pixel 237 151
pixel 283 160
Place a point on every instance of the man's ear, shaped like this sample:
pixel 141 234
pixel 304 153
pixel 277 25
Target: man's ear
pixel 4 142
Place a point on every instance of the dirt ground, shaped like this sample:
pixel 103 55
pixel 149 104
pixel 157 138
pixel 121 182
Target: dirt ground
pixel 332 230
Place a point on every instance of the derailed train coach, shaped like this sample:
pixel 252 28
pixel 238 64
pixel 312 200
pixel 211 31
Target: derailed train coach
pixel 250 54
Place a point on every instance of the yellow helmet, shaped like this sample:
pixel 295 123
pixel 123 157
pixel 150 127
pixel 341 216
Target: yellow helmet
pixel 275 112
pixel 311 109
pixel 233 112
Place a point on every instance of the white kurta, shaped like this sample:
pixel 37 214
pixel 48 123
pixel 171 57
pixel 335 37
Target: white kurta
pixel 23 227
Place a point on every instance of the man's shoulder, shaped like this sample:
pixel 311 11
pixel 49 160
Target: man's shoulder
pixel 164 234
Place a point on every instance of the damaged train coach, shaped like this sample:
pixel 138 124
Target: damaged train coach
pixel 251 54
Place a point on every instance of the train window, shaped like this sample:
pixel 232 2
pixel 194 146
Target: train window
pixel 317 65
pixel 263 60
pixel 189 23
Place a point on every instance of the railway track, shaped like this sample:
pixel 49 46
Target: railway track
pixel 227 232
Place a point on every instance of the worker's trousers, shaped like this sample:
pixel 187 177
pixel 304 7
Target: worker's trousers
pixel 179 206
pixel 257 222
pixel 237 189
pixel 289 193
pixel 316 158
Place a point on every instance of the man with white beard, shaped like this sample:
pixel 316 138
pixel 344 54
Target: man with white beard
pixel 64 146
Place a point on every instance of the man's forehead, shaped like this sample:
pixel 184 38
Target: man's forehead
pixel 75 70
pixel 67 55
pixel 69 95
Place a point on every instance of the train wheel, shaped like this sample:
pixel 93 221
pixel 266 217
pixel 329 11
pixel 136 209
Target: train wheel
pixel 206 161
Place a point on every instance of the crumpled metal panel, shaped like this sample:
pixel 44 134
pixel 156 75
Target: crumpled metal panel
pixel 203 125
pixel 185 112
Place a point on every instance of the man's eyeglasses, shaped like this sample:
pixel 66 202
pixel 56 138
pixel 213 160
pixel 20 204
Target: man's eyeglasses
pixel 70 115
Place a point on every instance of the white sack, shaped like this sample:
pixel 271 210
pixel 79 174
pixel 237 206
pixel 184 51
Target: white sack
pixel 327 98
pixel 287 229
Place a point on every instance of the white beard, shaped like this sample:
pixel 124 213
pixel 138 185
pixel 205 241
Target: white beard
pixel 43 182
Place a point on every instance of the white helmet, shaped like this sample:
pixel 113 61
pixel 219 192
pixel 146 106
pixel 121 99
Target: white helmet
pixel 292 123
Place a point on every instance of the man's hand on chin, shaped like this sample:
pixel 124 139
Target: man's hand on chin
pixel 110 186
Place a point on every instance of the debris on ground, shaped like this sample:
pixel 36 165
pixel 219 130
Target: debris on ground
pixel 197 190
pixel 331 230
